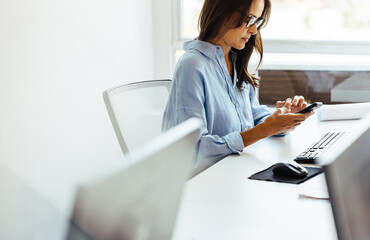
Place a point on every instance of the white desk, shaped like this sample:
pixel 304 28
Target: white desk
pixel 219 203
pixel 222 203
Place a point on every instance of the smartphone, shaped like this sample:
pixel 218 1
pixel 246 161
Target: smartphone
pixel 311 107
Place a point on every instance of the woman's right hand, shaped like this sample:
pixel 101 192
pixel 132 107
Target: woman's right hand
pixel 282 120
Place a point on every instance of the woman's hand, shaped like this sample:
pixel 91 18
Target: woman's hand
pixel 294 106
pixel 282 120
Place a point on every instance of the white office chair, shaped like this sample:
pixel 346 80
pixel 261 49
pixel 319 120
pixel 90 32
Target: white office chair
pixel 136 111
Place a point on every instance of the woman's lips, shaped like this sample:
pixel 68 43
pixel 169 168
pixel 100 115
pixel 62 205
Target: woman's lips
pixel 245 39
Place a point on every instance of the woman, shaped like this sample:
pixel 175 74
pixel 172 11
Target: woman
pixel 211 82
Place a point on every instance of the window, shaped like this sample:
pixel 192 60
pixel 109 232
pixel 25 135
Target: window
pixel 300 26
pixel 322 20
pixel 190 10
pixel 310 45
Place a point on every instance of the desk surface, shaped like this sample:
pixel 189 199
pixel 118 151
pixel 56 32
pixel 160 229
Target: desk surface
pixel 219 203
pixel 222 203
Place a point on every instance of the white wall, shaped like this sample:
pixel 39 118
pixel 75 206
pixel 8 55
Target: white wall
pixel 56 58
pixel 162 38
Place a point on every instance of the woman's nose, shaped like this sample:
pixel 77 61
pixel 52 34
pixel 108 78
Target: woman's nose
pixel 253 30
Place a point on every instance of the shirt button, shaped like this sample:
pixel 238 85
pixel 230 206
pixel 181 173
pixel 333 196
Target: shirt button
pixel 237 104
pixel 245 129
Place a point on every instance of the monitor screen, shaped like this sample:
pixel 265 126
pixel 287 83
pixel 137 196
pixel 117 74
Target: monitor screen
pixel 140 201
pixel 347 172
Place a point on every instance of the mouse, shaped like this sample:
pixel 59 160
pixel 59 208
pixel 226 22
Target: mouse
pixel 288 169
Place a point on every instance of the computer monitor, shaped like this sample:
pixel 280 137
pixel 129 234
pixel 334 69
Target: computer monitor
pixel 347 172
pixel 141 201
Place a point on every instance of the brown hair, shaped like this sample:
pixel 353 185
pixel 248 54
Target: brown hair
pixel 217 17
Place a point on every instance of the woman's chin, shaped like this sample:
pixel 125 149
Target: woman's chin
pixel 240 46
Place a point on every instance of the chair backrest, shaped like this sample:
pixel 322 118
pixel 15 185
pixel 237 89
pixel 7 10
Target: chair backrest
pixel 136 111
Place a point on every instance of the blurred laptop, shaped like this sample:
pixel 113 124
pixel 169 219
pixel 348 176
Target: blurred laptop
pixel 141 201
pixel 347 172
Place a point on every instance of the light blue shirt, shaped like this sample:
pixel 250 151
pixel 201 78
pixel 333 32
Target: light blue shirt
pixel 202 88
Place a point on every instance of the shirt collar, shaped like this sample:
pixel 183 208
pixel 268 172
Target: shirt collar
pixel 206 48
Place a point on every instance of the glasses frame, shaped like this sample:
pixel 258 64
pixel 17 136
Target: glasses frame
pixel 252 20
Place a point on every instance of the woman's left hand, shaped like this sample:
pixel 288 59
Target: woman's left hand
pixel 297 105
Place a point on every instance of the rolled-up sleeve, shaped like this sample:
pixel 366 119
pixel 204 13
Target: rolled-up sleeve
pixel 212 148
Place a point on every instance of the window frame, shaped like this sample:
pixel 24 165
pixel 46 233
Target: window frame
pixel 276 46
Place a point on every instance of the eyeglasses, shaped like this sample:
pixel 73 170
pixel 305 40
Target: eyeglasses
pixel 252 20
